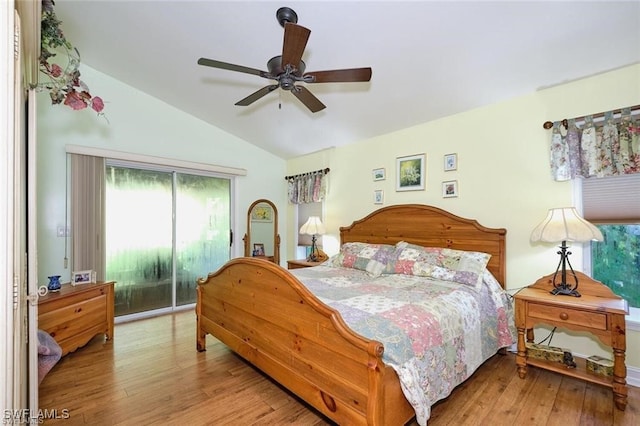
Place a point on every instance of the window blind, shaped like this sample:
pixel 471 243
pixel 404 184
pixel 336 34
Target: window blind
pixel 87 214
pixel 613 199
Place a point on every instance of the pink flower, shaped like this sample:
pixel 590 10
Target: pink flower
pixel 56 70
pixel 74 100
pixel 97 104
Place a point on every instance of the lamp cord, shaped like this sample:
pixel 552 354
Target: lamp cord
pixel 549 337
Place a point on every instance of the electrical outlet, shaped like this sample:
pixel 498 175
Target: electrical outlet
pixel 63 231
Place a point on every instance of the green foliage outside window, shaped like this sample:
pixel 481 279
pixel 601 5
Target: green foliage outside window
pixel 616 261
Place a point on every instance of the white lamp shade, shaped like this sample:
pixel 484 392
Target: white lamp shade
pixel 565 224
pixel 313 226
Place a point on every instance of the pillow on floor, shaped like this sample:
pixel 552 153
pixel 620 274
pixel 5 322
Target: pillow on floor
pixel 49 353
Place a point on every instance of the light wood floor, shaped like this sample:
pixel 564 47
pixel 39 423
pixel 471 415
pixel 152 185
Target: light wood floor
pixel 151 373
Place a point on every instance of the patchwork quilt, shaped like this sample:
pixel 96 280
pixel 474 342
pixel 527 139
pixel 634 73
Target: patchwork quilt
pixel 435 332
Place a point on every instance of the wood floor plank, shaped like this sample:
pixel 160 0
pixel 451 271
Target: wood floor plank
pixel 545 391
pixel 567 407
pixel 151 374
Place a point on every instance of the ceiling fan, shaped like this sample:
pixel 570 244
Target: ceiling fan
pixel 289 68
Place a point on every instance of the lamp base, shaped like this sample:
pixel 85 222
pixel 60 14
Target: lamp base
pixel 565 291
pixel 563 288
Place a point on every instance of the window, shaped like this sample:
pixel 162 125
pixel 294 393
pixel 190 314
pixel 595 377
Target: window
pixel 616 260
pixel 613 205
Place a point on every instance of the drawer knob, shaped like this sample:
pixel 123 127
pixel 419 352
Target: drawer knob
pixel 564 316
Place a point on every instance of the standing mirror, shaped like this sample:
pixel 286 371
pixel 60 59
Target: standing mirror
pixel 262 239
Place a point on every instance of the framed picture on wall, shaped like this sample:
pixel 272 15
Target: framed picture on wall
pixel 378 196
pixel 378 174
pixel 450 162
pixel 262 213
pixel 450 189
pixel 410 172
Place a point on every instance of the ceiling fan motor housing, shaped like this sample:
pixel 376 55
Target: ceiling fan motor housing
pixel 275 67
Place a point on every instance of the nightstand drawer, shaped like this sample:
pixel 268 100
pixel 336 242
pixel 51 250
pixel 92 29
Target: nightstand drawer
pixel 560 315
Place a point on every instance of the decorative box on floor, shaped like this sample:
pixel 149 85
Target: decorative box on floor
pixel 599 365
pixel 547 353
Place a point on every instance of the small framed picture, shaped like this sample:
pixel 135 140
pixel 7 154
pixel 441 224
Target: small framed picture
pixel 378 174
pixel 258 249
pixel 450 162
pixel 410 173
pixel 262 213
pixel 378 196
pixel 450 189
pixel 82 277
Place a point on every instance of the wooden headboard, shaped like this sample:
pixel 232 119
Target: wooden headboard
pixel 430 226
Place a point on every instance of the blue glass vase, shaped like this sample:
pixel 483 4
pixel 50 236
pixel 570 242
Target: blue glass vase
pixel 54 283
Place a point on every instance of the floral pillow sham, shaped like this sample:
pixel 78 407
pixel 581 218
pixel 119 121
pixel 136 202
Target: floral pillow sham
pixel 372 258
pixel 464 267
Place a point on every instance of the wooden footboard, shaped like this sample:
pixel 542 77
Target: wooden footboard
pixel 268 317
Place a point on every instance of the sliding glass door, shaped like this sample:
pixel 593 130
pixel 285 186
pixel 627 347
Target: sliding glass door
pixel 164 229
pixel 203 230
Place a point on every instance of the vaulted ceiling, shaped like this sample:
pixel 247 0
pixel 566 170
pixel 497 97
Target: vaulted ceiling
pixel 430 59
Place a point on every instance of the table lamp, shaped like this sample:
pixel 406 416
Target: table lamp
pixel 562 225
pixel 313 226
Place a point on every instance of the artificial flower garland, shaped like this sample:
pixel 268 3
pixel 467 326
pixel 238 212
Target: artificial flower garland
pixel 64 85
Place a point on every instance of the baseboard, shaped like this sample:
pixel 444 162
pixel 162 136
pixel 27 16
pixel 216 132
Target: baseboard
pixel 633 376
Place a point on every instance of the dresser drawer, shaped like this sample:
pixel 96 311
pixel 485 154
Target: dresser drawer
pixel 560 315
pixel 72 319
pixel 55 301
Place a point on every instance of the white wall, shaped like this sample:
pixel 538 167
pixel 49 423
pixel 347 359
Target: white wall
pixel 138 123
pixel 503 173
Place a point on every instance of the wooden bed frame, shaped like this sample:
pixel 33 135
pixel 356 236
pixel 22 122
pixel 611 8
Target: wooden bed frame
pixel 264 314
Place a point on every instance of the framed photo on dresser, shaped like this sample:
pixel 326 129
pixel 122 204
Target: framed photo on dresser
pixel 82 277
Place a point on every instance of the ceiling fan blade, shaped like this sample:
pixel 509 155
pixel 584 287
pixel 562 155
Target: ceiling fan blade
pixel 308 98
pixel 339 76
pixel 295 40
pixel 257 95
pixel 231 67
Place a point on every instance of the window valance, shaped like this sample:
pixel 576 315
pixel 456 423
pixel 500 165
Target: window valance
pixel 597 145
pixel 310 187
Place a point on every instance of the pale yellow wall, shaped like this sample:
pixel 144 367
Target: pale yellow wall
pixel 503 173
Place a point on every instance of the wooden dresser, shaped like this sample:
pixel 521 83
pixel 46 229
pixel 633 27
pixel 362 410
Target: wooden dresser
pixel 75 314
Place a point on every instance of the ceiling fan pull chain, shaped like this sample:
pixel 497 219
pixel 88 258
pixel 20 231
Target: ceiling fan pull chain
pixel 279 99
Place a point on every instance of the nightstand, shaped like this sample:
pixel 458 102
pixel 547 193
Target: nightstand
pixel 599 312
pixel 301 263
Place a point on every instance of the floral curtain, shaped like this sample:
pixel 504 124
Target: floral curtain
pixel 307 187
pixel 610 147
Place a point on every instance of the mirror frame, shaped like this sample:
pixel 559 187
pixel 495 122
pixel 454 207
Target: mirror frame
pixel 276 236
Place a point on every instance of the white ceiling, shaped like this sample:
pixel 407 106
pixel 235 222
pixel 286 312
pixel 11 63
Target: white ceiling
pixel 430 59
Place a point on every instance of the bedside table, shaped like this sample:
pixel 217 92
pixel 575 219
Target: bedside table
pixel 301 263
pixel 599 311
